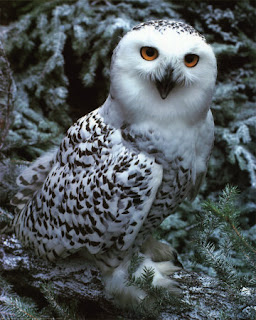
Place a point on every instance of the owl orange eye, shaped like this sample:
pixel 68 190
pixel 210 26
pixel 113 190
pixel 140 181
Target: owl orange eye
pixel 191 60
pixel 149 53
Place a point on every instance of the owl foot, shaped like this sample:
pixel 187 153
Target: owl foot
pixel 129 290
pixel 159 251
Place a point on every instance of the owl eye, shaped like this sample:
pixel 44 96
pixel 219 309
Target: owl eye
pixel 149 53
pixel 191 60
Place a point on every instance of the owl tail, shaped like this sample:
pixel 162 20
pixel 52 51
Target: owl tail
pixel 32 179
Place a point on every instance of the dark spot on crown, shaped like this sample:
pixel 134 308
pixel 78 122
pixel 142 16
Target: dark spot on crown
pixel 162 25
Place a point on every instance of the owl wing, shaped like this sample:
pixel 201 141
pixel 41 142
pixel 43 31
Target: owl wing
pixel 31 179
pixel 204 147
pixel 97 194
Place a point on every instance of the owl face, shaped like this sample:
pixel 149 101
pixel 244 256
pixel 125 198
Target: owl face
pixel 163 69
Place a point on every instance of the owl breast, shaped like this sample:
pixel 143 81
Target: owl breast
pixel 176 154
pixel 173 190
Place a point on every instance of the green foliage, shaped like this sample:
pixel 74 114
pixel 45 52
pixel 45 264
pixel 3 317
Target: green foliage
pixel 221 244
pixel 134 264
pixel 234 100
pixel 64 50
pixel 62 311
pixel 7 93
pixel 13 306
pixel 157 299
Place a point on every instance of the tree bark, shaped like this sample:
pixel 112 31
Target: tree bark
pixel 74 279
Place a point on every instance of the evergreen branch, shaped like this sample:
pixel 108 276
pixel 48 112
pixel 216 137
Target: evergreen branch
pixel 136 260
pixel 7 92
pixel 63 312
pixel 223 219
pixel 220 262
pixel 244 241
pixel 147 276
pixel 157 298
pixel 16 308
pixel 226 210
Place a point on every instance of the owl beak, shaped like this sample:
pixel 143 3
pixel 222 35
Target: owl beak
pixel 166 83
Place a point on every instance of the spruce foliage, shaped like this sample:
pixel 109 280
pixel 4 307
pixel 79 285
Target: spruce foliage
pixel 221 243
pixel 59 309
pixel 222 246
pixel 13 306
pixel 157 299
pixel 7 93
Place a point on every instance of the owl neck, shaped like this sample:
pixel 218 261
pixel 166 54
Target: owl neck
pixel 163 145
pixel 117 115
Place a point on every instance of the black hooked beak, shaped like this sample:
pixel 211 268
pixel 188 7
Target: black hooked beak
pixel 166 84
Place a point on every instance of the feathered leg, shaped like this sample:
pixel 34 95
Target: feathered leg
pixel 120 281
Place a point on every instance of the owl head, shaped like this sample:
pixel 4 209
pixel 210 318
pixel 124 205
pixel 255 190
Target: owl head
pixel 162 70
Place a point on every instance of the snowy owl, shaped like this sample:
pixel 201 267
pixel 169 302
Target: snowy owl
pixel 126 166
